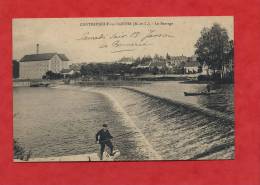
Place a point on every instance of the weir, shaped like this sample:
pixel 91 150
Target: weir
pixel 208 112
pixel 167 129
pixel 153 155
pixel 176 130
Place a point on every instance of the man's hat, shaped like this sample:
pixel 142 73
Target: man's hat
pixel 104 125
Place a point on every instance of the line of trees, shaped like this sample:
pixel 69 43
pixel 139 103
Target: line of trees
pixel 100 69
pixel 54 76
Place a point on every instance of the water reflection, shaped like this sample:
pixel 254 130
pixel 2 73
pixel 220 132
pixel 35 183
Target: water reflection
pixel 222 101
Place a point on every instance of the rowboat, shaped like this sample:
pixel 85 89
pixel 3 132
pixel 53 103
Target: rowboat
pixel 39 85
pixel 198 93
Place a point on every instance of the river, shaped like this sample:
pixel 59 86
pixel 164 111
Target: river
pixel 167 125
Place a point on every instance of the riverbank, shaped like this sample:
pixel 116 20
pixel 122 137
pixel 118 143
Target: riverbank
pixel 123 80
pixel 166 77
pixel 31 82
pixel 73 158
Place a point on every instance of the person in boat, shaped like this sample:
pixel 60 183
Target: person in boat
pixel 208 87
pixel 103 137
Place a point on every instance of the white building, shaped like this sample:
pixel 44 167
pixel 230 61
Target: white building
pixel 67 72
pixel 36 65
pixel 191 67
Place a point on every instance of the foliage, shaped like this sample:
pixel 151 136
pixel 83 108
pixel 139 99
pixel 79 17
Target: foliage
pixel 76 75
pixel 52 76
pixel 141 65
pixel 155 70
pixel 203 77
pixel 20 152
pixel 99 69
pixel 213 46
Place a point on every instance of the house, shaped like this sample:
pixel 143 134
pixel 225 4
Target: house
pixel 144 65
pixel 76 66
pixel 67 72
pixel 206 70
pixel 34 66
pixel 159 63
pixel 191 66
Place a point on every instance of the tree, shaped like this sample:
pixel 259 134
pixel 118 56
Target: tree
pixel 52 76
pixel 168 57
pixel 75 75
pixel 146 59
pixel 229 63
pixel 212 47
pixel 155 70
pixel 230 54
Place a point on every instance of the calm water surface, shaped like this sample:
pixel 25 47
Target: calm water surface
pixel 222 101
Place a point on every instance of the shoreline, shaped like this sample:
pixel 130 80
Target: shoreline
pixel 136 80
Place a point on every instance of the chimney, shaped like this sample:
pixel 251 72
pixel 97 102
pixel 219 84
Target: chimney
pixel 37 49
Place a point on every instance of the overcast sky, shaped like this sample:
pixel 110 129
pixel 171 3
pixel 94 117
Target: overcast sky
pixel 108 39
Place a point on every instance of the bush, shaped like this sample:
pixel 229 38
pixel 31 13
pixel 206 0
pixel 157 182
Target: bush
pixel 203 77
pixel 53 76
pixel 216 77
pixel 20 152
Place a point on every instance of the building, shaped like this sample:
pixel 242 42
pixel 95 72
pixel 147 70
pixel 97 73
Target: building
pixel 34 66
pixel 76 66
pixel 67 72
pixel 144 65
pixel 177 60
pixel 191 67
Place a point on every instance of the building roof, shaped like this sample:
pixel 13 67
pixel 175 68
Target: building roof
pixel 63 57
pixel 66 70
pixel 144 64
pixel 42 56
pixel 192 64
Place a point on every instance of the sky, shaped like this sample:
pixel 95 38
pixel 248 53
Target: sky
pixel 109 39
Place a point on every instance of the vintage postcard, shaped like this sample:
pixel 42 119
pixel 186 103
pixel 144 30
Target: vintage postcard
pixel 123 89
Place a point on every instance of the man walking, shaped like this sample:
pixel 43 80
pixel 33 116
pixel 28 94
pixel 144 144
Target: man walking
pixel 103 137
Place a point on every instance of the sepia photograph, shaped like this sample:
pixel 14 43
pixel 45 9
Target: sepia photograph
pixel 123 89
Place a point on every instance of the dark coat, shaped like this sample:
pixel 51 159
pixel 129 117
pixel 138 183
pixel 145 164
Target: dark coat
pixel 103 135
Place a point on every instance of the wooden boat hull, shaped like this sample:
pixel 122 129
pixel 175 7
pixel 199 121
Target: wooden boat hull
pixel 199 93
pixel 39 85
